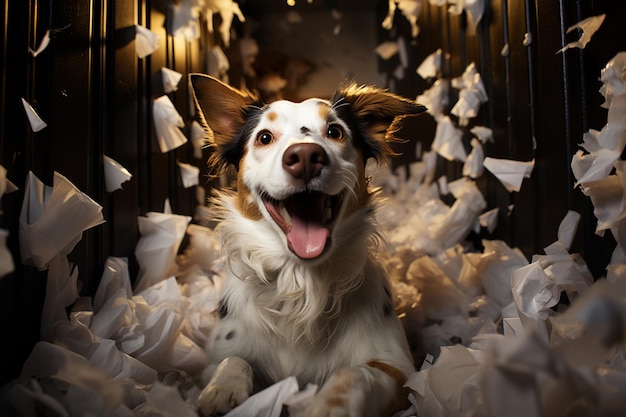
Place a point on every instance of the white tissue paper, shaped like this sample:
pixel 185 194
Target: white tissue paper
pixel 489 219
pixel 227 10
pixel 484 134
pixel 473 166
pixel 53 219
pixel 474 9
pixel 431 65
pixel 170 79
pixel 387 49
pixel 45 41
pixel 6 186
pixel 167 124
pixel 198 139
pixel 185 20
pixel 472 94
pixel 435 98
pixel 588 26
pixel 146 41
pixel 217 62
pixel 36 124
pixel 156 249
pixel 447 140
pixel 114 174
pixel 410 10
pixel 510 173
pixel 6 259
pixel 189 174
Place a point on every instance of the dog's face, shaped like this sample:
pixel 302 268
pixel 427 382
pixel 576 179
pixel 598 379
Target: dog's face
pixel 301 166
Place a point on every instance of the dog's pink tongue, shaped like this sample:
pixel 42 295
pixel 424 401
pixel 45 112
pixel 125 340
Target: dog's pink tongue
pixel 308 235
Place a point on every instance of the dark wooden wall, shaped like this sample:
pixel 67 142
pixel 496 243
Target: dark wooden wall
pixel 96 97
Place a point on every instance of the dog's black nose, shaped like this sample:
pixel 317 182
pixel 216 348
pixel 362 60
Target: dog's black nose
pixel 305 160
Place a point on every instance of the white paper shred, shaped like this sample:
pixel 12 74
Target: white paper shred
pixel 227 9
pixel 45 41
pixel 6 259
pixel 473 166
pixel 170 79
pixel 475 10
pixel 36 124
pixel 6 186
pixel 588 26
pixel 484 134
pixel 447 140
pixel 146 41
pixel 472 94
pixel 114 174
pixel 53 219
pixel 489 219
pixel 156 249
pixel 431 65
pixel 510 173
pixel 185 20
pixel 410 9
pixel 198 139
pixel 387 49
pixel 567 228
pixel 167 124
pixel 435 98
pixel 189 174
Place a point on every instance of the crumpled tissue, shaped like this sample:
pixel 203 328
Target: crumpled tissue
pixel 167 124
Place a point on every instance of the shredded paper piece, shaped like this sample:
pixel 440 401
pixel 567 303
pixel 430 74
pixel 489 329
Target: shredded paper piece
pixel 588 26
pixel 36 124
pixel 167 123
pixel 114 174
pixel 146 41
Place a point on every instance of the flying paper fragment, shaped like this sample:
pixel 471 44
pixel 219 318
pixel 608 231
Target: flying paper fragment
pixel 447 140
pixel 489 219
pixel 484 134
pixel 114 174
pixel 45 41
pixel 473 166
pixel 36 124
pixel 6 259
pixel 567 228
pixel 53 219
pixel 410 10
pixel 185 20
pixel 387 49
pixel 431 65
pixel 167 123
pixel 510 173
pixel 161 234
pixel 170 79
pixel 6 186
pixel 146 41
pixel 227 10
pixel 588 26
pixel 189 174
pixel 198 139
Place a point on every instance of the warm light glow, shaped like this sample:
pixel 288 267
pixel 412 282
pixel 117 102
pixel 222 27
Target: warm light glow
pixel 291 2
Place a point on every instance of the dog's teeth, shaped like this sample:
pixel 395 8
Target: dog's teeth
pixel 328 212
pixel 286 216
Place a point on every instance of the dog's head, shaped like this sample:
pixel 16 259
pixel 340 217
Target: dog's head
pixel 301 166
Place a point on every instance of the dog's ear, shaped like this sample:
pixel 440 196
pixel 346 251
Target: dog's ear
pixel 375 113
pixel 223 110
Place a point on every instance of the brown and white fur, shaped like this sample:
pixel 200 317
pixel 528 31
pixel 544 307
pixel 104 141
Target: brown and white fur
pixel 307 296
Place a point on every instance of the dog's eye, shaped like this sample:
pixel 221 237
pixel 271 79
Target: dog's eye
pixel 334 132
pixel 264 138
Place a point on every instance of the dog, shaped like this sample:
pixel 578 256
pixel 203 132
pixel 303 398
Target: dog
pixel 306 295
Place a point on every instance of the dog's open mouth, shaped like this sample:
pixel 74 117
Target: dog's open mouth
pixel 306 218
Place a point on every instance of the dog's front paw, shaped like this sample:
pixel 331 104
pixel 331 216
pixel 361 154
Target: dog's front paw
pixel 327 406
pixel 230 386
pixel 218 400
